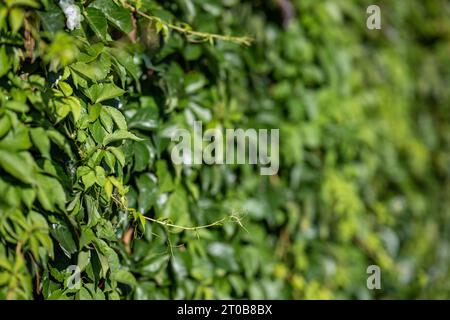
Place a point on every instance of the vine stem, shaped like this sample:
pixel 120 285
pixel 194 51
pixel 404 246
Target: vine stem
pixel 206 226
pixel 246 41
pixel 170 225
pixel 232 217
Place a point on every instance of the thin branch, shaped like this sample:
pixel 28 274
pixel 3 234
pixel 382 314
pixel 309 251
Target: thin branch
pixel 202 36
pixel 232 218
pixel 170 225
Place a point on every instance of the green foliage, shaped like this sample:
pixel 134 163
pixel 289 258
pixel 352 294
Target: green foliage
pixel 85 171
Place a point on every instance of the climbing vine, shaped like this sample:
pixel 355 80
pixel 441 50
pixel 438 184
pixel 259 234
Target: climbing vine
pixel 65 73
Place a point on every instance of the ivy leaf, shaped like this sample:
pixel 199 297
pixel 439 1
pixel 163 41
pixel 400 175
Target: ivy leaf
pixel 92 52
pixel 165 182
pixel 92 210
pixel 97 21
pixel 84 294
pixel 94 112
pixel 5 61
pixel 100 175
pixel 5 125
pixel 19 140
pixel 106 120
pixel 147 192
pixel 16 17
pixel 145 119
pixel 223 256
pixel 20 165
pixel 65 88
pixel 177 208
pixel 127 61
pixel 57 138
pixel 30 3
pixel 118 118
pixel 142 156
pixel 89 179
pixel 111 256
pixel 41 141
pixel 87 236
pixel 98 131
pixel 125 277
pixel 84 258
pixel 103 91
pixel 118 16
pixel 62 234
pixel 75 107
pixel 94 71
pixel 118 153
pixel 108 188
pixel 50 193
pixel 120 135
pixel 52 19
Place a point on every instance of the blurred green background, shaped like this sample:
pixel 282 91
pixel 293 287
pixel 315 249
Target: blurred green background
pixel 365 158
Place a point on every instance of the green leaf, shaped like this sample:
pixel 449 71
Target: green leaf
pixel 17 106
pixel 127 61
pixel 118 118
pixel 41 141
pixel 53 20
pixel 89 179
pixel 5 125
pixel 93 71
pixel 98 131
pixel 113 296
pixel 125 277
pixel 29 3
pixel 142 156
pixel 97 21
pixel 151 266
pixel 165 182
pixel 84 294
pixel 87 236
pixel 110 160
pixel 110 254
pixel 20 165
pixel 118 153
pixel 100 175
pixel 108 188
pixel 94 112
pixel 107 120
pixel 223 256
pixel 103 91
pixel 145 119
pixel 92 52
pixel 64 237
pixel 92 207
pixel 50 193
pixel 120 135
pixel 5 61
pixel 16 17
pixel 65 88
pixel 176 208
pixel 84 258
pixel 60 141
pixel 18 140
pixel 148 192
pixel 118 16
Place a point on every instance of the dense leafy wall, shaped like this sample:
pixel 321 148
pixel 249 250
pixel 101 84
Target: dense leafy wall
pixel 86 177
